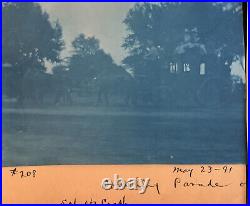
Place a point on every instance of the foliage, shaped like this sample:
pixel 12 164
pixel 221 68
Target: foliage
pixel 29 39
pixel 88 59
pixel 161 26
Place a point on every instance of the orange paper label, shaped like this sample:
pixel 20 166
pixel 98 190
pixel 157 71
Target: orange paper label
pixel 84 184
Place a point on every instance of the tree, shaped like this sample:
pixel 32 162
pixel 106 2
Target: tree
pixel 87 60
pixel 29 39
pixel 162 26
pixel 85 45
pixel 157 37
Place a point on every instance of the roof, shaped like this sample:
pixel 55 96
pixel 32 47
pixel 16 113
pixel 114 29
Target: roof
pixel 182 48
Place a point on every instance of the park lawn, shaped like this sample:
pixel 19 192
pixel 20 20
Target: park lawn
pixel 114 136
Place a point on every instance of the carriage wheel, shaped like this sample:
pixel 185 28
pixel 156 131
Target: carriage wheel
pixel 213 92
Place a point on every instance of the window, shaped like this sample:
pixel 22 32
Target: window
pixel 186 67
pixel 173 67
pixel 202 69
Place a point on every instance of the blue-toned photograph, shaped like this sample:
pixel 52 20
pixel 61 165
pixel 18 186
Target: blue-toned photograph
pixel 123 83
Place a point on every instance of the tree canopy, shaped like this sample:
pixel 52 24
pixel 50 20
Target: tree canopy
pixel 29 39
pixel 162 26
pixel 87 59
pixel 28 33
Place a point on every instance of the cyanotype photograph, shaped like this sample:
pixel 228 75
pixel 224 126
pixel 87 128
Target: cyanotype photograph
pixel 123 83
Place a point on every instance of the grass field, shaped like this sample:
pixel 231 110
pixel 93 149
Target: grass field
pixel 98 135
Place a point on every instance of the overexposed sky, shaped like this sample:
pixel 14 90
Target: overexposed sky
pixel 102 20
